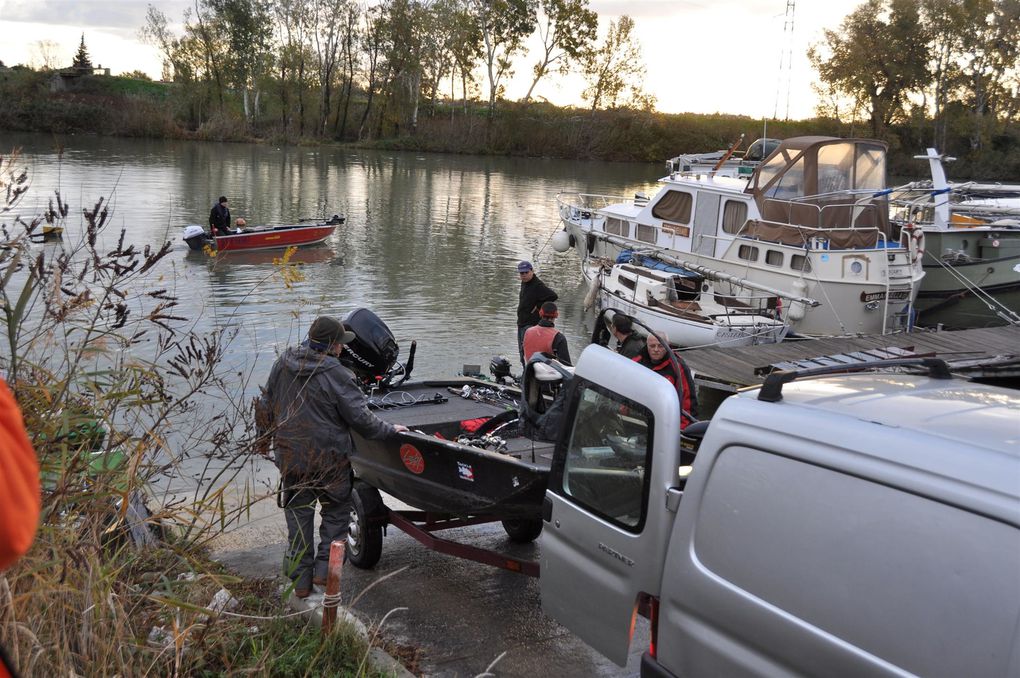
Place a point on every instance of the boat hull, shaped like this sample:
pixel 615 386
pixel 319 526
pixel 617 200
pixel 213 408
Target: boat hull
pixel 437 474
pixel 275 238
pixel 952 293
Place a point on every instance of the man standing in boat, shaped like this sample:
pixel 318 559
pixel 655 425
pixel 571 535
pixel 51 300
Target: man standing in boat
pixel 545 338
pixel 628 342
pixel 534 293
pixel 219 218
pixel 309 406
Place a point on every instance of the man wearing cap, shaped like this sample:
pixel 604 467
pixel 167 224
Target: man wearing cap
pixel 219 218
pixel 628 342
pixel 310 404
pixel 545 338
pixel 534 293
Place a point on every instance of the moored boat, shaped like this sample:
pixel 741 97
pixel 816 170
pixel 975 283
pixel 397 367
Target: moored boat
pixel 687 306
pixel 971 248
pixel 263 237
pixel 813 219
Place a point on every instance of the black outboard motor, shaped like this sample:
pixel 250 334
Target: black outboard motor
pixel 373 353
pixel 196 237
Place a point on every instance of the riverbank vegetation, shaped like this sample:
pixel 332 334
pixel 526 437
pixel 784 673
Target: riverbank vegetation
pixel 407 74
pixel 121 398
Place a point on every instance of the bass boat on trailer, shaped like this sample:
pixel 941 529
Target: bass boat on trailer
pixel 263 237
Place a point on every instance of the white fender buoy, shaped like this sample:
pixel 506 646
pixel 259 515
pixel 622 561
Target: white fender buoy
pixel 797 309
pixel 561 241
pixel 593 291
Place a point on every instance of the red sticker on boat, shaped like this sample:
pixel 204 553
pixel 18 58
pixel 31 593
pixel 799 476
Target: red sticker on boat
pixel 412 459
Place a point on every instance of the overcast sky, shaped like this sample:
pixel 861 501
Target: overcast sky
pixel 702 56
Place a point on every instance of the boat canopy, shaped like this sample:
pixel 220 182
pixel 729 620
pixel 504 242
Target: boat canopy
pixel 824 182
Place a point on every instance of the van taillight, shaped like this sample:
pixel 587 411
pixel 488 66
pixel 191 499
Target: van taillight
pixel 653 617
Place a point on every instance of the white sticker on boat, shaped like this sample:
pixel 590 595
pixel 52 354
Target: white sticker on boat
pixel 1017 268
pixel 465 471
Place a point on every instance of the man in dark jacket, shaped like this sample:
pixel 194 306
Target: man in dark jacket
pixel 219 218
pixel 312 402
pixel 534 293
pixel 545 338
pixel 628 342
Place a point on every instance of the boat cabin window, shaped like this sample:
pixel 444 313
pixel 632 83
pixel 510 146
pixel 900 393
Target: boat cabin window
pixel 773 257
pixel 835 168
pixel 616 226
pixel 791 184
pixel 608 457
pixel 628 283
pixel 799 262
pixel 870 167
pixel 734 216
pixel 646 233
pixel 748 252
pixel 674 206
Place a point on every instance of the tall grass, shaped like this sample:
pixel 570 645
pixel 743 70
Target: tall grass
pixel 115 388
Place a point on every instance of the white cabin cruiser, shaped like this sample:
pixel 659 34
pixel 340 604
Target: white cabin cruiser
pixel 812 219
pixel 692 309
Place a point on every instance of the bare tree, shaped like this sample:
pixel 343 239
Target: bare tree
pixel 45 55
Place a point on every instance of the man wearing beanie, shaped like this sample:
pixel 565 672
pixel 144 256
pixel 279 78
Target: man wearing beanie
pixel 309 406
pixel 534 293
pixel 545 338
pixel 219 218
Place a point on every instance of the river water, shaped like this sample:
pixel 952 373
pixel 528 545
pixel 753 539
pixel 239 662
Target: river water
pixel 430 244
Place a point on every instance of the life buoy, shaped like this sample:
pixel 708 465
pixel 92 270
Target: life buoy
pixel 915 243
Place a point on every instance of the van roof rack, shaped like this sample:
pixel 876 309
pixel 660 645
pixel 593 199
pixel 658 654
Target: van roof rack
pixel 772 390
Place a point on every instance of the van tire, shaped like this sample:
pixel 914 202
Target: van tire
pixel 522 530
pixel 364 536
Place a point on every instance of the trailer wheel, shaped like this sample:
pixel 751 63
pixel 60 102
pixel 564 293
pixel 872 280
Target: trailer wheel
pixel 522 530
pixel 364 537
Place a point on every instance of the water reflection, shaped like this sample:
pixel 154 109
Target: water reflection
pixel 430 241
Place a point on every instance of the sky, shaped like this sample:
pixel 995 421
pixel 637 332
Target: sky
pixel 701 56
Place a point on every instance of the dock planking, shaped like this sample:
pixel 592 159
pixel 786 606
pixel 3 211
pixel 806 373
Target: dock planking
pixel 732 368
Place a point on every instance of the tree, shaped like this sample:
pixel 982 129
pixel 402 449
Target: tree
pixel 45 55
pixel 82 62
pixel 567 28
pixel 503 24
pixel 616 68
pixel 879 55
pixel 248 29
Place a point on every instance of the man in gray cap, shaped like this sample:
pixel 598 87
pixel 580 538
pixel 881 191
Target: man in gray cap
pixel 533 294
pixel 310 404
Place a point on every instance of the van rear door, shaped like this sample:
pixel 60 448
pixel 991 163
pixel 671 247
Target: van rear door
pixel 607 522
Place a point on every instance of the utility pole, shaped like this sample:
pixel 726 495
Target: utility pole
pixel 785 61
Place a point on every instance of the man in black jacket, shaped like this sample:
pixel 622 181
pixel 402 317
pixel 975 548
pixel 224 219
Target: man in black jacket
pixel 534 293
pixel 219 218
pixel 310 403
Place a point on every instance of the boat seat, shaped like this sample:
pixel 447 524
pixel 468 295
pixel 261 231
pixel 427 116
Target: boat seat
pixel 547 374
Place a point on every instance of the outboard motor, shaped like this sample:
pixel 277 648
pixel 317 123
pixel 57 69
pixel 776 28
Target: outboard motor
pixel 372 355
pixel 196 237
pixel 499 368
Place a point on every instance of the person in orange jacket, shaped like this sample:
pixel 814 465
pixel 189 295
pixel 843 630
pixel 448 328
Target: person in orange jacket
pixel 19 491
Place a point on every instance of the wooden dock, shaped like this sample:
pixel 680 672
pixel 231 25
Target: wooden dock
pixel 972 351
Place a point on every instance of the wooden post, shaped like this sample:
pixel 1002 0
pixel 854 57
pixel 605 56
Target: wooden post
pixel 332 598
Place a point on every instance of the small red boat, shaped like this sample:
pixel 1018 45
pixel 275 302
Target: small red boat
pixel 263 238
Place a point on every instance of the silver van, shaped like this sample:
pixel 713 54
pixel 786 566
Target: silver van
pixel 848 525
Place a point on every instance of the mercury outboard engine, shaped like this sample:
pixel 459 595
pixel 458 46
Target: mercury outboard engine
pixel 196 237
pixel 499 368
pixel 372 356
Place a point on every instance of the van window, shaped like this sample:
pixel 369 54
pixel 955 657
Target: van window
pixel 608 457
pixel 861 561
pixel 674 206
